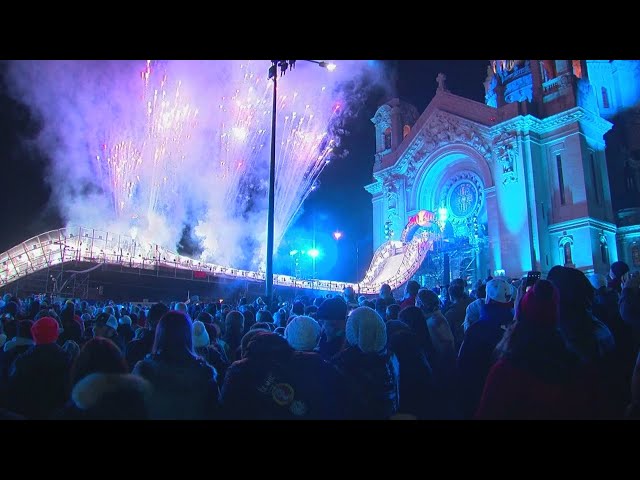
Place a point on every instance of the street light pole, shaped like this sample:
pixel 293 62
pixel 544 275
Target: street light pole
pixel 272 181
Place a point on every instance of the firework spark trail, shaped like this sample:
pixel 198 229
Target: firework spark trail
pixel 143 171
pixel 302 155
pixel 154 146
pixel 243 136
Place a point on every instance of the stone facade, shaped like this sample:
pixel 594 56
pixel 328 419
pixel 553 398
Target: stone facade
pixel 526 172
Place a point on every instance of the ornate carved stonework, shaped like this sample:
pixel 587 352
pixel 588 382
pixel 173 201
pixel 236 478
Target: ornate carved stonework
pixel 382 116
pixel 440 130
pixel 392 187
pixel 463 197
pixel 507 153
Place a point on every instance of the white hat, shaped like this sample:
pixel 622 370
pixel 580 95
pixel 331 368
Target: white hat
pixel 498 290
pixel 125 320
pixel 112 322
pixel 366 330
pixel 302 333
pixel 199 334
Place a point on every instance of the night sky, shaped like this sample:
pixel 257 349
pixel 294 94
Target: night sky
pixel 341 203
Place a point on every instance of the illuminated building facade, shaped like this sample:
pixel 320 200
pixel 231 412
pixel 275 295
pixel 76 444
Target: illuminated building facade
pixel 546 172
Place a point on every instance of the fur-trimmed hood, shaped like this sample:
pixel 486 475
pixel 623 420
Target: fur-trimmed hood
pixel 17 342
pixel 91 390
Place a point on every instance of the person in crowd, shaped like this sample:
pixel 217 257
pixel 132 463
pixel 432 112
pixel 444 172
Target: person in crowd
pixel 9 320
pixel 414 319
pixel 184 385
pixel 349 296
pixel 392 311
pixel 478 296
pixel 265 316
pixel 410 294
pixel 439 332
pixel 3 336
pixel 476 355
pixel 106 326
pixel 332 317
pixel 280 318
pixel 380 306
pixel 605 308
pixel 125 330
pixel 584 334
pixel 140 347
pixel 536 377
pixel 456 313
pixel 369 370
pixel 617 272
pixel 297 309
pixel 633 409
pixel 208 352
pixel 629 307
pixel 303 333
pixel 273 381
pixel 250 317
pixel 386 295
pixel 19 344
pixel 38 378
pixel 443 358
pixel 101 387
pixel 234 331
pixel 416 385
pixel 72 348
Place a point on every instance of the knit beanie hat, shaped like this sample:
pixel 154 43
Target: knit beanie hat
pixel 366 330
pixel 200 335
pixel 540 305
pixel 45 331
pixel 332 309
pixel 302 333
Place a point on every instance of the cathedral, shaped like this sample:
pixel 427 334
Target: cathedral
pixel 545 172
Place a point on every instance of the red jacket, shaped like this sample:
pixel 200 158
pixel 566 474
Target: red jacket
pixel 511 393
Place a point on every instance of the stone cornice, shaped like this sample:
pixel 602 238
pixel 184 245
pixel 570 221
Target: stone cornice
pixel 629 230
pixel 521 123
pixel 529 123
pixel 374 188
pixel 581 223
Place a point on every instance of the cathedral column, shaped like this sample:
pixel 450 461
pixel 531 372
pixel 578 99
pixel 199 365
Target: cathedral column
pixel 493 227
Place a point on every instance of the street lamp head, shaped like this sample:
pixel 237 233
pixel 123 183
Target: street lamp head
pixel 328 65
pixel 337 235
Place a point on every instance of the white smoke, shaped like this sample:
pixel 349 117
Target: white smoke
pixel 203 151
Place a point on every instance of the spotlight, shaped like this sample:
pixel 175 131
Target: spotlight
pixel 313 253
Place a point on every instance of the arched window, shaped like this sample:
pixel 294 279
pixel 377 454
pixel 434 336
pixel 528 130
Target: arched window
pixel 605 98
pixel 568 260
pixel 635 255
pixel 387 138
pixel 405 130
